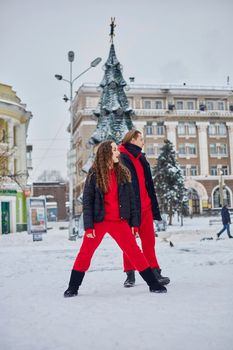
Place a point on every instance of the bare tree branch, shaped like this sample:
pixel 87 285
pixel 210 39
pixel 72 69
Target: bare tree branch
pixel 6 154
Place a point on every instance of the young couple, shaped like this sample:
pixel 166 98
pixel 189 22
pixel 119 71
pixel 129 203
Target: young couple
pixel 109 205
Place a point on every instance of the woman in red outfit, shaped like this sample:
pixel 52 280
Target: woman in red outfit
pixel 109 206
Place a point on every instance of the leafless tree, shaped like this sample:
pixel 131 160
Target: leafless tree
pixel 6 175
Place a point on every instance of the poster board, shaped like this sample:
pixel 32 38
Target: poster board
pixel 36 217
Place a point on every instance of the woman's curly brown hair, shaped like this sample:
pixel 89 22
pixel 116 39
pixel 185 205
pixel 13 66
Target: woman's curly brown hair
pixel 103 163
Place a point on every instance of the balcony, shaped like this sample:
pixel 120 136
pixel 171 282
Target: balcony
pixel 181 113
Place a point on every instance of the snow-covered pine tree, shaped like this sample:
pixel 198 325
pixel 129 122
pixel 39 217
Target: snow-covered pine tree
pixel 169 181
pixel 113 111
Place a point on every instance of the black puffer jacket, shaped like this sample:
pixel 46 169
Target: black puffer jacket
pixel 226 219
pixel 136 151
pixel 93 203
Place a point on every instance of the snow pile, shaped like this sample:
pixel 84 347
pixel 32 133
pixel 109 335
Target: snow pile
pixel 196 313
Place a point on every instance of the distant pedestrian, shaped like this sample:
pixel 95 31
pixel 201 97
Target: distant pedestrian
pixel 226 220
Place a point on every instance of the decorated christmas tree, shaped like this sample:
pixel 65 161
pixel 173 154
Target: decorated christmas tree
pixel 113 112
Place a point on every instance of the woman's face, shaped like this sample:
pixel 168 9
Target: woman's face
pixel 115 153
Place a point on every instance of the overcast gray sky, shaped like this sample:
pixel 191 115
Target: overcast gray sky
pixel 157 41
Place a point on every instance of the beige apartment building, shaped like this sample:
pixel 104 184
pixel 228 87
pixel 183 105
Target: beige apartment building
pixel 197 119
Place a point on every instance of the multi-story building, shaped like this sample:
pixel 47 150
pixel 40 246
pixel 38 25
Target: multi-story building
pixel 199 122
pixel 14 157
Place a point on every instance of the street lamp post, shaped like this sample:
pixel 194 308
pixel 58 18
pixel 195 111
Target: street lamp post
pixel 221 188
pixel 71 82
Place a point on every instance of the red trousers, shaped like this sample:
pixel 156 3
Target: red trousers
pixel 147 236
pixel 122 234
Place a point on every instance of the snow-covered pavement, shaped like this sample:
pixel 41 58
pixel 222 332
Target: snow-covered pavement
pixel 196 313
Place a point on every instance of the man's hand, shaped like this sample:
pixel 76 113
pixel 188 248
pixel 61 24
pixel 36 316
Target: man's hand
pixel 90 233
pixel 135 231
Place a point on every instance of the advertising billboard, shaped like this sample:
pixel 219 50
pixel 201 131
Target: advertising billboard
pixel 36 217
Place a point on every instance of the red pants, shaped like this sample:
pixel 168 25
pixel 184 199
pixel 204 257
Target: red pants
pixel 122 234
pixel 147 236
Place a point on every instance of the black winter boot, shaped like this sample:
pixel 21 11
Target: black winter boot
pixel 130 280
pixel 161 279
pixel 154 285
pixel 76 279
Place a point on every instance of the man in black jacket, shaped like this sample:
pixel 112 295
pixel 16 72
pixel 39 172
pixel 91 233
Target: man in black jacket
pixel 226 220
pixel 146 203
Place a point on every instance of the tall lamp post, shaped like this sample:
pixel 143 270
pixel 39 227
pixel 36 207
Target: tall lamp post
pixel 221 185
pixel 71 82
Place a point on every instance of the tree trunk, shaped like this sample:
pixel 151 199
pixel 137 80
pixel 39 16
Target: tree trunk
pixel 170 214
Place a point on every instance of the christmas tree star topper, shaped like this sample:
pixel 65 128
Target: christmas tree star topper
pixel 112 26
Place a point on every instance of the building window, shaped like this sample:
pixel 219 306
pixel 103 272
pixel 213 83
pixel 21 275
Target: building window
pixel 15 135
pixel 192 149
pixel 218 149
pixel 212 130
pixel 216 198
pixel 150 150
pixel 191 129
pixel 3 166
pixel 157 149
pixel 147 104
pixel 179 105
pixel 221 106
pixel 190 105
pixel 222 130
pixel 149 130
pixel 223 149
pixel 3 131
pixel 181 129
pixel 160 129
pixel 182 149
pixel 226 197
pixel 15 166
pixel 224 170
pixel 187 149
pixel 158 105
pixel 186 129
pixel 183 170
pixel 193 170
pixel 213 149
pixel 29 149
pixel 130 100
pixel 213 171
pixel 217 129
pixel 210 105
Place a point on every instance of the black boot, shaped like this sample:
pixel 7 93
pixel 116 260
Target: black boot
pixel 163 280
pixel 154 285
pixel 76 279
pixel 130 280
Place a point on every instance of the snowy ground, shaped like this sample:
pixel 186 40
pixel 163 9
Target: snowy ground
pixel 196 313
